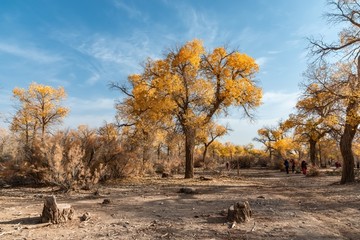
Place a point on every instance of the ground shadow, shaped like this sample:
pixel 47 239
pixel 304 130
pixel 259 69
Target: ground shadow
pixel 24 221
pixel 216 220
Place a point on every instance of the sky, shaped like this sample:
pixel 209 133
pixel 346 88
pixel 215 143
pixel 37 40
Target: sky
pixel 83 45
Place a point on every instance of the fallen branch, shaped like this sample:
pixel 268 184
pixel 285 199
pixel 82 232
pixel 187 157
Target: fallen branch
pixel 38 225
pixel 9 232
pixel 253 228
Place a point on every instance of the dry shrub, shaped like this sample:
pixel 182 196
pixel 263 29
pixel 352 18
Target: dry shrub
pixel 243 162
pixel 198 163
pixel 313 171
pixel 262 162
pixel 83 157
pixel 172 166
pixel 123 166
pixel 211 164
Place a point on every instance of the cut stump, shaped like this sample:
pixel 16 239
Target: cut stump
pixel 56 213
pixel 239 212
pixel 188 190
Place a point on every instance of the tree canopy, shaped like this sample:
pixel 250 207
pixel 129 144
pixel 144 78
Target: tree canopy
pixel 188 87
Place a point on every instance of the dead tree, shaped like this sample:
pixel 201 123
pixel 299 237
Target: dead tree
pixel 56 213
pixel 239 212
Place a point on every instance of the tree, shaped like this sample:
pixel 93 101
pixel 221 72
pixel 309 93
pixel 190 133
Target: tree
pixel 339 88
pixel 24 124
pixel 315 117
pixel 39 108
pixel 208 134
pixel 189 87
pixel 267 137
pixel 273 140
pixel 308 129
pixel 346 12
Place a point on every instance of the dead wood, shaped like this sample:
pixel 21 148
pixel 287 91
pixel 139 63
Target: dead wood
pixel 56 213
pixel 239 212
pixel 187 190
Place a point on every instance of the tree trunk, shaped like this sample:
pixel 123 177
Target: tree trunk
pixel 189 152
pixel 239 212
pixel 204 153
pixel 347 137
pixel 56 213
pixel 158 152
pixel 42 133
pixel 320 156
pixel 312 151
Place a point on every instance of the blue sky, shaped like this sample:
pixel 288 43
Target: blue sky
pixel 83 45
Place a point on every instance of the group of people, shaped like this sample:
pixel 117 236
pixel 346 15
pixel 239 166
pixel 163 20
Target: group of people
pixel 292 161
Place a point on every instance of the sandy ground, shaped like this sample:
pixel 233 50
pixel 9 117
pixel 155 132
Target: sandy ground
pixel 284 207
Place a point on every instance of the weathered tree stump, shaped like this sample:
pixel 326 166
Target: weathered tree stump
pixel 188 190
pixel 56 213
pixel 239 212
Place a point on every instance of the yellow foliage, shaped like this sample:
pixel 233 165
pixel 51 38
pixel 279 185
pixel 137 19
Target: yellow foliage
pixel 190 86
pixel 242 63
pixel 190 53
pixel 39 107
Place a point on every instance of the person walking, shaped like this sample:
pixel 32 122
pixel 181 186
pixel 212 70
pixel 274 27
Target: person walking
pixel 292 165
pixel 286 163
pixel 303 167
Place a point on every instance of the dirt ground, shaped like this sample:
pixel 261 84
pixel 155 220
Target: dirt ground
pixel 284 207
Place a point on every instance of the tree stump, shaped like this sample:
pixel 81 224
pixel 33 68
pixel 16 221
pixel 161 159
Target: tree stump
pixel 188 190
pixel 239 212
pixel 56 213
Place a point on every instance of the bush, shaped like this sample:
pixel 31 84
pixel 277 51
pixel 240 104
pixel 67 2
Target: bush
pixel 313 172
pixel 198 163
pixel 159 168
pixel 243 161
pixel 262 162
pixel 6 158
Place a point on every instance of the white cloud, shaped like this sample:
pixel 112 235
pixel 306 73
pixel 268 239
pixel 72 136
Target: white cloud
pixel 130 10
pixel 277 106
pixel 273 52
pixel 279 97
pixel 95 105
pixel 28 53
pixel 261 61
pixel 91 112
pixel 126 53
pixel 93 79
pixel 198 23
pixel 91 120
pixel 247 37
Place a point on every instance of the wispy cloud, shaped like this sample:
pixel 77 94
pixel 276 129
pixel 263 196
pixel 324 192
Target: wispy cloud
pixel 261 61
pixel 91 120
pixel 95 105
pixel 278 97
pixel 28 53
pixel 273 52
pixel 198 23
pixel 130 10
pixel 93 79
pixel 91 112
pixel 247 37
pixel 276 107
pixel 127 53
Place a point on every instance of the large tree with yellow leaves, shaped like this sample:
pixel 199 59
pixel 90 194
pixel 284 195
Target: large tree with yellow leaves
pixel 188 87
pixel 335 90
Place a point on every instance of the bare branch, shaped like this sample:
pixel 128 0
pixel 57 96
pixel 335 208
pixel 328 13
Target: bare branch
pixel 122 89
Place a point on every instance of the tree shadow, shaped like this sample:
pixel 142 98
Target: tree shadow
pixel 24 221
pixel 216 219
